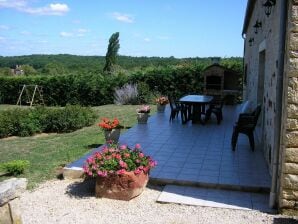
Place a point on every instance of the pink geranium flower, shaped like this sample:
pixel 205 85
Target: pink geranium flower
pixel 116 160
pixel 122 171
pixel 141 155
pixel 123 164
pixel 137 171
pixel 123 147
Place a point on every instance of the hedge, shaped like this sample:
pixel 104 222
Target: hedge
pixel 26 122
pixel 61 90
pixel 97 89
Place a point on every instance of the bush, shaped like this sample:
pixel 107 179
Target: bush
pixel 65 119
pixel 26 122
pixel 15 167
pixel 145 95
pixel 127 94
pixel 20 122
pixel 97 89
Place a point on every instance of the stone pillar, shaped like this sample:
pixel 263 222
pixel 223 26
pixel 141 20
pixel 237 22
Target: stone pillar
pixel 289 168
pixel 10 190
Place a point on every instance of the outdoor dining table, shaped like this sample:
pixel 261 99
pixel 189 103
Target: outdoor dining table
pixel 198 103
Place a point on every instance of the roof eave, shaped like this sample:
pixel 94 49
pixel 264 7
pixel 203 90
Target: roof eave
pixel 249 9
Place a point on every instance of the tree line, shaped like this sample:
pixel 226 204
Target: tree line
pixel 64 64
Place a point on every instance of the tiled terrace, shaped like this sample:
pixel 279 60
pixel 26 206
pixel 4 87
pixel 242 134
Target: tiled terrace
pixel 198 155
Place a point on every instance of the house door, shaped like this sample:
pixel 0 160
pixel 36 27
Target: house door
pixel 260 95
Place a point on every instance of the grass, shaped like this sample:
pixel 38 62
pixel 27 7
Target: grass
pixel 48 153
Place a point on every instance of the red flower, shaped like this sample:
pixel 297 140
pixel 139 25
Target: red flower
pixel 107 124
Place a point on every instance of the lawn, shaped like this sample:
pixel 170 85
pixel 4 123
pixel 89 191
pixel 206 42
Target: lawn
pixel 49 152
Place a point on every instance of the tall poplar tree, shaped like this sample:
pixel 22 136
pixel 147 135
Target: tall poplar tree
pixel 112 52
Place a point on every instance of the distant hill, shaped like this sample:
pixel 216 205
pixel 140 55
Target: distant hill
pixel 65 63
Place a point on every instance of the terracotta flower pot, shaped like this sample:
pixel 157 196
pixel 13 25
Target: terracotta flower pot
pixel 121 187
pixel 142 118
pixel 161 108
pixel 112 135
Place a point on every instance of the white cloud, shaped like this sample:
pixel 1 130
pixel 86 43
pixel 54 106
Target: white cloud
pixel 56 9
pixel 16 4
pixel 2 39
pixel 123 17
pixel 147 39
pixel 52 9
pixel 75 33
pixel 4 27
pixel 66 34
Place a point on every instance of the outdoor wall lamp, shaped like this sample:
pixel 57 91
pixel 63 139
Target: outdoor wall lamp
pixel 268 6
pixel 250 41
pixel 257 25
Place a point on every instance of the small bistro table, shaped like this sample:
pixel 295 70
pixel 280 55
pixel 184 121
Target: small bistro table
pixel 198 102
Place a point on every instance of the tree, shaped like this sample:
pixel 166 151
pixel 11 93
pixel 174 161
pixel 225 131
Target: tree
pixel 28 70
pixel 112 52
pixel 5 71
pixel 54 68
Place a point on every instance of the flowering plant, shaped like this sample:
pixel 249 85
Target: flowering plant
pixel 107 124
pixel 144 109
pixel 162 100
pixel 115 159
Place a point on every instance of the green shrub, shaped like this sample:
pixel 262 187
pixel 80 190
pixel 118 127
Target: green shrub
pixel 67 119
pixel 26 122
pixel 20 122
pixel 15 167
pixel 145 95
pixel 98 89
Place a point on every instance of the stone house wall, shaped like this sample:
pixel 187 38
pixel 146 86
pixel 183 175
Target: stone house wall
pixel 268 39
pixel 262 58
pixel 289 145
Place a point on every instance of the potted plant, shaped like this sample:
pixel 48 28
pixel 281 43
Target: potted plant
pixel 111 129
pixel 121 173
pixel 143 114
pixel 161 102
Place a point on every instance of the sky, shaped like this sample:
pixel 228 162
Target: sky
pixel 179 28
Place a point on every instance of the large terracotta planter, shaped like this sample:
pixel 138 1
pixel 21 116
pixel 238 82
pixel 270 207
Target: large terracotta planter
pixel 161 108
pixel 142 118
pixel 112 135
pixel 121 187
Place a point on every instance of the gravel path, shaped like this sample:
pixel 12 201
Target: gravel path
pixel 68 201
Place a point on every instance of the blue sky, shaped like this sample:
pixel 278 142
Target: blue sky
pixel 190 28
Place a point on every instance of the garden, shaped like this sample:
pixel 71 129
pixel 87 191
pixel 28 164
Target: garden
pixel 48 153
pixel 54 136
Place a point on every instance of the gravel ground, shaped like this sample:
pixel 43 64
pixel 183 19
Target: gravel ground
pixel 68 201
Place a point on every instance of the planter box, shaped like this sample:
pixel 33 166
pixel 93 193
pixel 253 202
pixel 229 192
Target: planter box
pixel 142 118
pixel 121 187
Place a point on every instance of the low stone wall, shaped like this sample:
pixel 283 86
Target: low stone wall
pixel 10 190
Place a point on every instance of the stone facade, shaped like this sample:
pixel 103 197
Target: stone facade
pixel 289 163
pixel 261 62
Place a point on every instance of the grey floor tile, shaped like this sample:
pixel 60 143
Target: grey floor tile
pixel 206 150
pixel 187 177
pixel 208 179
pixel 195 166
pixel 208 172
